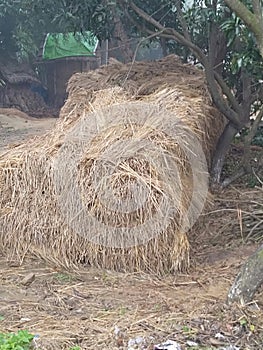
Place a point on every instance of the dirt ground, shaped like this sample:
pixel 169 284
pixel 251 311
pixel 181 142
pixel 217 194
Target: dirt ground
pixel 96 309
pixel 16 126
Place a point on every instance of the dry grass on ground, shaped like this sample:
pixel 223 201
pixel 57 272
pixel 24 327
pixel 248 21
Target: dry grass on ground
pixel 67 308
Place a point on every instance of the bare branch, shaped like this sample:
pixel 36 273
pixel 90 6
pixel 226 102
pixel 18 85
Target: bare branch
pixel 171 33
pixel 182 20
pixel 176 36
pixel 244 13
pixel 227 92
pixel 153 35
pixel 257 8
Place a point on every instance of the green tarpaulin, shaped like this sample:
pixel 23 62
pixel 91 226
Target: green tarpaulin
pixel 67 45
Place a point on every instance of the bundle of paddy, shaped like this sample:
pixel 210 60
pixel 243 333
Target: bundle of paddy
pixel 122 176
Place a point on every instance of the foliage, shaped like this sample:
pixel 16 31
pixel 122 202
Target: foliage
pixel 19 20
pixel 18 37
pixel 63 277
pixel 18 23
pixel 257 139
pixel 242 52
pixel 251 14
pixel 22 340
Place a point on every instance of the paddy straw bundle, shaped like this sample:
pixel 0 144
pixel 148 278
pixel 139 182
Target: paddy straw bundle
pixel 111 185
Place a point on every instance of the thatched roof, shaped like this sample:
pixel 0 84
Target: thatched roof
pixel 15 73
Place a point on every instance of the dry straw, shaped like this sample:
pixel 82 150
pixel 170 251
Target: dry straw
pixel 52 187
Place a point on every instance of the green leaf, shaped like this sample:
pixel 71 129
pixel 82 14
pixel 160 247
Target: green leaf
pixel 243 322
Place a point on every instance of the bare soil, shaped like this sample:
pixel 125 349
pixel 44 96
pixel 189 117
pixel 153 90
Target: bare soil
pixel 16 126
pixel 96 309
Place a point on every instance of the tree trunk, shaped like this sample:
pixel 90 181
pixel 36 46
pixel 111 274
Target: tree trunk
pixel 221 152
pixel 217 47
pixel 163 43
pixel 249 279
pixel 121 40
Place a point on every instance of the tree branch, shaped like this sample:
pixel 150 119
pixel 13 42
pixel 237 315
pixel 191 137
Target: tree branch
pixel 182 20
pixel 257 8
pixel 227 92
pixel 171 33
pixel 176 36
pixel 245 14
pixel 252 20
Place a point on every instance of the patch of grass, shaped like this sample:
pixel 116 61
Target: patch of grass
pixel 189 330
pixel 63 277
pixel 123 310
pixel 22 340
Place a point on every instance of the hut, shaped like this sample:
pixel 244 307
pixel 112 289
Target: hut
pixel 61 56
pixel 21 88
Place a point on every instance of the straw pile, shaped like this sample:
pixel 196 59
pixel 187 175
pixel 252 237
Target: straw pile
pixel 111 185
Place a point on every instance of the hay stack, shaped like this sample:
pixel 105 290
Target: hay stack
pixel 124 132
